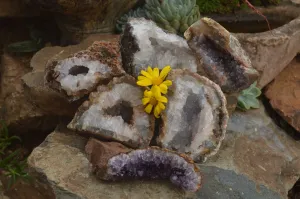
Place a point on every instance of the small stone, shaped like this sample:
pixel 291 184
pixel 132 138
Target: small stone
pixel 153 163
pixel 81 73
pixel 195 119
pixel 284 94
pixel 144 44
pixel 116 114
pixel 223 59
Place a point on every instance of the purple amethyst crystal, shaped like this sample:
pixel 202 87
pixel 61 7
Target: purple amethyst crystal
pixel 154 163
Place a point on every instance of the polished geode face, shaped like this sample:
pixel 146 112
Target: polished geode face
pixel 154 164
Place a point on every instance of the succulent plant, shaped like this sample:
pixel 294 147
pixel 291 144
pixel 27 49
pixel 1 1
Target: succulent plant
pixel 173 15
pixel 248 98
pixel 138 13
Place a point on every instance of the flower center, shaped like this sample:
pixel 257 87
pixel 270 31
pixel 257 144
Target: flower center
pixel 157 81
pixel 153 101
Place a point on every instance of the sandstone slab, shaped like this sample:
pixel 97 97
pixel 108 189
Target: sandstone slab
pixel 284 94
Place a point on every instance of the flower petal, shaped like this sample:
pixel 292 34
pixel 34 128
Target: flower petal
pixel 142 77
pixel 155 72
pixel 149 70
pixel 148 93
pixel 144 82
pixel 156 91
pixel 161 106
pixel 145 100
pixel 157 111
pixel 163 88
pixel 148 108
pixel 146 74
pixel 162 99
pixel 167 83
pixel 164 72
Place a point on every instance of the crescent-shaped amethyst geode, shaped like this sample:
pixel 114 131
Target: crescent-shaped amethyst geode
pixel 154 163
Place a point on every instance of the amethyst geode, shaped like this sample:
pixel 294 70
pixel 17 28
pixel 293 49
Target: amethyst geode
pixel 154 163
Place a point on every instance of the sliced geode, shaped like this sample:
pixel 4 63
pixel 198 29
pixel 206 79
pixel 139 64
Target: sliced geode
pixel 150 163
pixel 82 72
pixel 145 44
pixel 116 113
pixel 195 119
pixel 221 56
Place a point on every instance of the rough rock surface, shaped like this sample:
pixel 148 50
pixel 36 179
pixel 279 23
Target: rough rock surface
pixel 61 163
pixel 195 119
pixel 270 52
pixel 222 58
pixel 116 114
pixel 151 163
pixel 284 94
pixel 57 53
pixel 260 151
pixel 16 8
pixel 81 73
pixel 80 18
pixel 144 44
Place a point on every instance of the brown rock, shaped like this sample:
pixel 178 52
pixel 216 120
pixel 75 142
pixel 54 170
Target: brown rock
pixel 284 94
pixel 270 52
pixel 79 74
pixel 100 152
pixel 16 8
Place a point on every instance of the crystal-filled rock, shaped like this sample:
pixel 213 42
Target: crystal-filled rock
pixel 116 113
pixel 195 119
pixel 221 56
pixel 81 73
pixel 153 163
pixel 144 44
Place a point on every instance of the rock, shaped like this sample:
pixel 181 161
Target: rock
pixel 61 163
pixel 256 149
pixel 57 53
pixel 153 163
pixel 77 19
pixel 195 119
pixel 116 114
pixel 296 1
pixel 99 153
pixel 16 8
pixel 46 99
pixel 144 44
pixel 222 58
pixel 79 74
pixel 284 94
pixel 270 52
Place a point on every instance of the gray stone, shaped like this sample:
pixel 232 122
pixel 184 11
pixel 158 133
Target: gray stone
pixel 259 150
pixel 144 44
pixel 270 52
pixel 195 119
pixel 61 163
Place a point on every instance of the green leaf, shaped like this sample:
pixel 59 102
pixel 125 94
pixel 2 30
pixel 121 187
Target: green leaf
pixel 248 98
pixel 25 46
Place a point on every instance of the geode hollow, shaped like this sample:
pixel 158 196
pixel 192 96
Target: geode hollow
pixel 117 114
pixel 196 117
pixel 154 163
pixel 82 72
pixel 145 44
pixel 221 56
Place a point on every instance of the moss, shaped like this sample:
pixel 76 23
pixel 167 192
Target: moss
pixel 229 6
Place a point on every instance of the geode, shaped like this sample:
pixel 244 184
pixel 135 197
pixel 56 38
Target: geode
pixel 221 56
pixel 81 73
pixel 152 163
pixel 144 44
pixel 195 119
pixel 116 113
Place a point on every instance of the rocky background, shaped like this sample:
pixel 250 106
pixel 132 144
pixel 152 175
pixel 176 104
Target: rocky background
pixel 259 157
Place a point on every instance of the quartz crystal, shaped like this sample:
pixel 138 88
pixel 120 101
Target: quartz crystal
pixel 196 117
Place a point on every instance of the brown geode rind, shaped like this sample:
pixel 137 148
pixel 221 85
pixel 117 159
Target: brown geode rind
pixel 148 163
pixel 103 55
pixel 116 113
pixel 197 126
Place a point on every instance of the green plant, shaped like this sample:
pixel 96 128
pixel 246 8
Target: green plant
pixel 248 98
pixel 173 15
pixel 33 45
pixel 10 163
pixel 138 13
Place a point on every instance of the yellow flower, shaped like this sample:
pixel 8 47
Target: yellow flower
pixel 153 77
pixel 153 98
